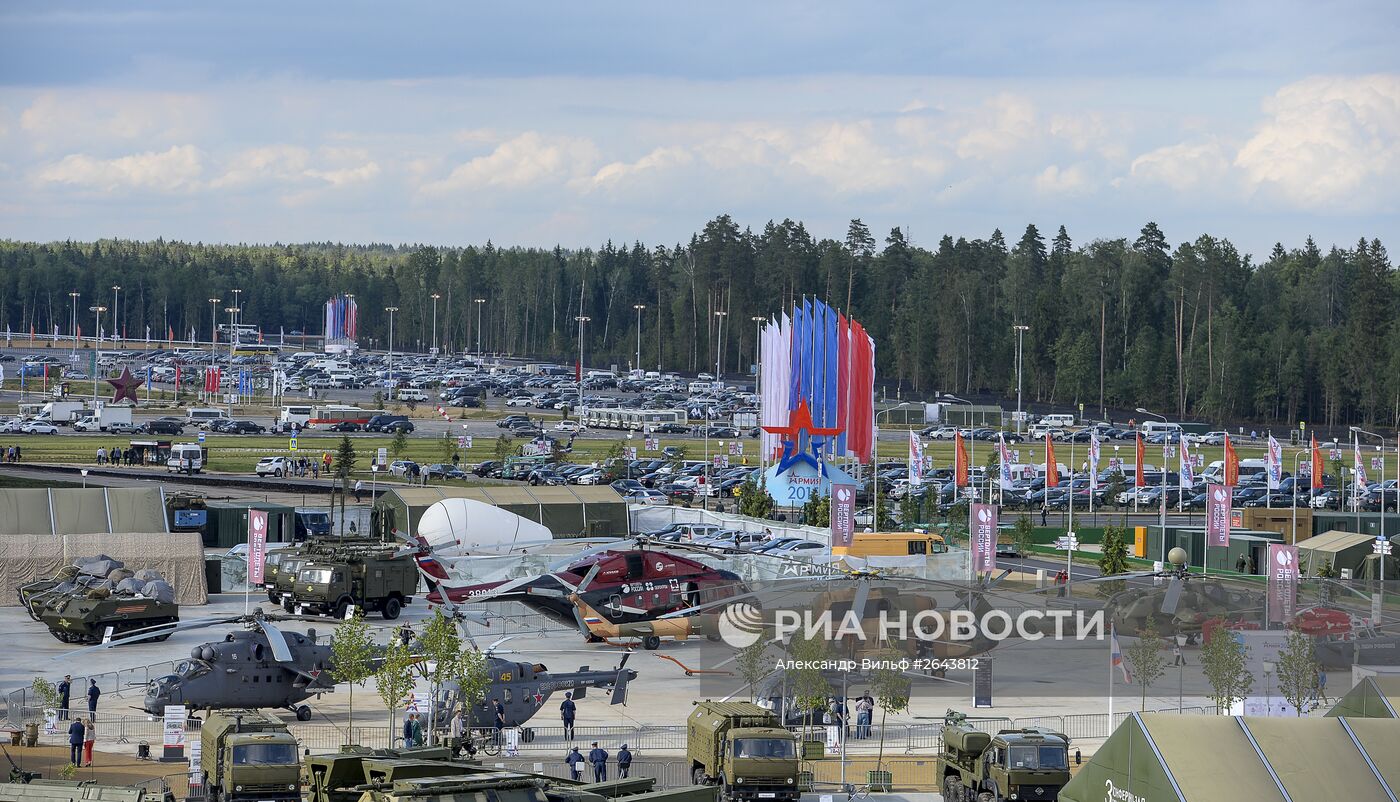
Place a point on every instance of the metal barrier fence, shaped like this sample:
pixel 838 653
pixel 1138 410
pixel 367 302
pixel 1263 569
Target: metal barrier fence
pixel 108 682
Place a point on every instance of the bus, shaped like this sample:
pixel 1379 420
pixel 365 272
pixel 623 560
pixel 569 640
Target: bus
pixel 254 349
pixel 296 413
pixel 328 416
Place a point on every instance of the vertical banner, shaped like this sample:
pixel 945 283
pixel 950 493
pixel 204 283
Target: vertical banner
pixel 1317 465
pixel 1359 479
pixel 1232 464
pixel 959 460
pixel 1217 515
pixel 1093 461
pixel 174 743
pixel 916 459
pixel 1185 471
pixel 257 545
pixel 1274 466
pixel 1140 480
pixel 843 515
pixel 1052 468
pixel 1004 460
pixel 1283 581
pixel 984 537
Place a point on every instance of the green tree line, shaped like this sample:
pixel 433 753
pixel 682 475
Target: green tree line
pixel 1196 330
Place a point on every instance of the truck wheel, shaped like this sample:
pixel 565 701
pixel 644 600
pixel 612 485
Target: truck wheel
pixel 287 604
pixel 392 606
pixel 952 789
pixel 272 597
pixel 651 643
pixel 697 776
pixel 303 713
pixel 986 796
pixel 341 609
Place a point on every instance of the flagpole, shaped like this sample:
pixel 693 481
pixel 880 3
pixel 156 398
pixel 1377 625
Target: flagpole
pixel 1112 636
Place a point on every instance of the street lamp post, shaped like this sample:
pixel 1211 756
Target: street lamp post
pixel 1162 502
pixel 1021 330
pixel 582 319
pixel 875 493
pixel 719 345
pixel 97 347
pixel 73 323
pixel 393 385
pixel 435 296
pixel 479 302
pixel 638 363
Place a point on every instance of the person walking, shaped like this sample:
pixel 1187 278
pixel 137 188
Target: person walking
pixel 624 762
pixel 1044 514
pixel 500 718
pixel 458 729
pixel 865 709
pixel 64 689
pixel 93 694
pixel 573 758
pixel 598 759
pixel 408 731
pixel 89 738
pixel 567 711
pixel 405 634
pixel 1177 659
pixel 75 742
pixel 359 489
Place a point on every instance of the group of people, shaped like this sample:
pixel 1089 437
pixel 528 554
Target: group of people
pixel 12 454
pixel 598 760
pixel 117 455
pixel 301 466
pixel 838 713
pixel 82 733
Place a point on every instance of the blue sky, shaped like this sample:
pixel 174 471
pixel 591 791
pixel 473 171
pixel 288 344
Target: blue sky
pixel 573 123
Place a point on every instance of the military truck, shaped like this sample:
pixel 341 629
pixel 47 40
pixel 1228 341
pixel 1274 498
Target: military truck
pixel 248 755
pixel 743 749
pixel 373 579
pixel 272 567
pixel 1025 765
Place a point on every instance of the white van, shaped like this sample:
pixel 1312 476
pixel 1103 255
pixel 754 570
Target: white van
pixel 1215 472
pixel 411 394
pixel 1157 427
pixel 1062 421
pixel 185 457
pixel 201 417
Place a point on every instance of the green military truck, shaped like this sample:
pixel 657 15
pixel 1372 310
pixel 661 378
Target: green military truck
pixel 744 749
pixel 248 755
pixel 1027 765
pixel 373 579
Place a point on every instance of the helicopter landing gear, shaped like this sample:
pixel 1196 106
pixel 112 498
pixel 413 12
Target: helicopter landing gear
pixel 303 713
pixel 651 643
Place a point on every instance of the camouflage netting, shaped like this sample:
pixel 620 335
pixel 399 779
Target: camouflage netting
pixel 174 562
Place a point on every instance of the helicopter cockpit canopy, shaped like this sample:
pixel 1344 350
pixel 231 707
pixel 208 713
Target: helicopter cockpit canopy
pixel 189 669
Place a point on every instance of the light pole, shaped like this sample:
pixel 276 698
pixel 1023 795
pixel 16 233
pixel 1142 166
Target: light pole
pixel 116 310
pixel 875 494
pixel 1380 449
pixel 435 296
pixel 73 324
pixel 97 347
pixel 1021 330
pixel 393 385
pixel 479 302
pixel 719 344
pixel 582 319
pixel 1163 500
pixel 233 337
pixel 233 324
pixel 757 369
pixel 639 308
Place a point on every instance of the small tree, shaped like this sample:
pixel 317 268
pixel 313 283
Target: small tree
pixel 352 654
pixel 1298 671
pixel 1223 661
pixel 345 459
pixel 399 444
pixel 613 462
pixel 394 679
pixel 447 447
pixel 505 447
pixel 817 510
pixel 48 694
pixel 754 500
pixel 1145 658
pixel 753 664
pixel 1023 536
pixel 378 399
pixel 805 681
pixel 446 661
pixel 891 690
pixel 1113 559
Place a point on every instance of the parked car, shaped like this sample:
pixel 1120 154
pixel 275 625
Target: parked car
pixel 38 427
pixel 671 428
pixel 273 466
pixel 653 498
pixel 346 426
pixel 443 470
pixel 244 427
pixel 571 426
pixel 402 467
pixel 162 426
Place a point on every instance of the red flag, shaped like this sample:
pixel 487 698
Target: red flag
pixel 959 460
pixel 1052 468
pixel 1232 464
pixel 1141 473
pixel 578 371
pixel 170 333
pixel 1316 459
pixel 177 377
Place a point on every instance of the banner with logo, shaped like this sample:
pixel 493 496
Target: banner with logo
pixel 959 460
pixel 1274 465
pixel 1217 515
pixel 1283 581
pixel 1052 468
pixel 1232 464
pixel 916 459
pixel 1141 478
pixel 174 720
pixel 257 545
pixel 1093 461
pixel 984 537
pixel 1004 460
pixel 1185 472
pixel 1356 466
pixel 843 515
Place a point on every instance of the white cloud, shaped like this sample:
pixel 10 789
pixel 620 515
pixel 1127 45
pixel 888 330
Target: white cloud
pixel 176 169
pixel 1327 140
pixel 93 120
pixel 529 159
pixel 1056 181
pixel 1001 127
pixel 1185 167
pixel 847 157
pixel 659 160
pixel 271 162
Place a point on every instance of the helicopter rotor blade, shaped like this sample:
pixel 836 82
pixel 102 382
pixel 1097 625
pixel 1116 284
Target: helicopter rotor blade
pixel 619 693
pixel 588 578
pixel 136 636
pixel 586 553
pixel 1172 597
pixel 862 596
pixel 275 639
pixel 492 648
pixel 582 626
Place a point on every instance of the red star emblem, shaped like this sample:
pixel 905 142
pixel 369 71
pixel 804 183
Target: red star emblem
pixel 125 386
pixel 797 438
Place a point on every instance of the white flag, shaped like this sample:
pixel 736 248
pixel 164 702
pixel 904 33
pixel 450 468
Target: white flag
pixel 1275 463
pixel 916 459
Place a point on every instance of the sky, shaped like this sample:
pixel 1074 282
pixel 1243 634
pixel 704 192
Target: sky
pixel 571 123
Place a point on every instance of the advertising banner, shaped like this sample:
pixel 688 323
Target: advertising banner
pixel 257 545
pixel 174 719
pixel 984 537
pixel 1283 582
pixel 916 459
pixel 1217 515
pixel 843 515
pixel 1274 465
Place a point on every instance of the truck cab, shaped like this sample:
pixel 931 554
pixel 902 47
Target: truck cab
pixel 1026 764
pixel 743 749
pixel 248 755
pixel 376 581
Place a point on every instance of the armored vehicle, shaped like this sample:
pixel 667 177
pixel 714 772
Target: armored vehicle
pixel 248 755
pixel 743 749
pixel 75 791
pixel 1026 764
pixel 84 600
pixel 369 577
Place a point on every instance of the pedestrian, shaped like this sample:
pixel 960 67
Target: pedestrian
pixel 64 689
pixel 326 461
pixel 500 718
pixel 624 762
pixel 315 470
pixel 417 730
pixel 458 730
pixel 89 738
pixel 1177 659
pixel 408 731
pixel 567 711
pixel 598 759
pixel 1044 514
pixel 359 489
pixel 405 634
pixel 1241 564
pixel 573 759
pixel 101 455
pixel 1078 758
pixel 93 693
pixel 75 742
pixel 865 710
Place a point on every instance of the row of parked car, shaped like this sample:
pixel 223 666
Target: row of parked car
pixel 715 537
